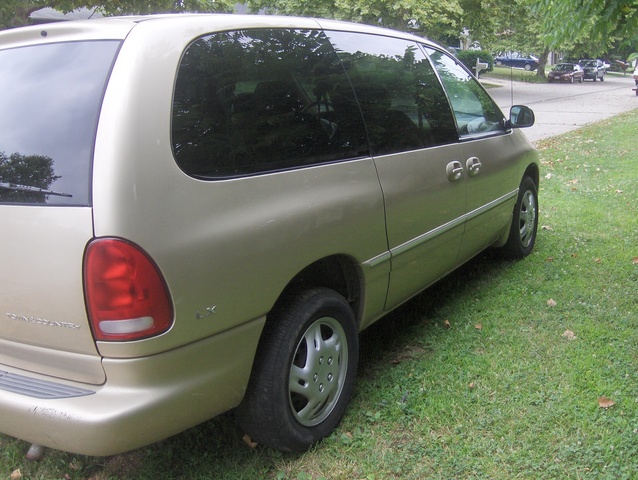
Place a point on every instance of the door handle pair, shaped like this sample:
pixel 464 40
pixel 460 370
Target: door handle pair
pixel 454 169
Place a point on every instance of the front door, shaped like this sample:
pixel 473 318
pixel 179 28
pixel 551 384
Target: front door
pixel 414 142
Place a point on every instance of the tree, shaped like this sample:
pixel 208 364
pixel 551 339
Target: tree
pixel 600 21
pixel 15 13
pixel 506 25
pixel 436 19
pixel 30 170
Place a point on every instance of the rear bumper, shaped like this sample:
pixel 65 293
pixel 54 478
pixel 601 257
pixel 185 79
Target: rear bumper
pixel 143 401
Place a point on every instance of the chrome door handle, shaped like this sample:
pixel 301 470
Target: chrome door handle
pixel 454 171
pixel 473 166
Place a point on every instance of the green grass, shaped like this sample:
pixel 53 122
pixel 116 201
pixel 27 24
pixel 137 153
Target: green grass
pixel 506 392
pixel 515 74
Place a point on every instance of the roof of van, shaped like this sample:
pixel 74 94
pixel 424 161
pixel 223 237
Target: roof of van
pixel 120 26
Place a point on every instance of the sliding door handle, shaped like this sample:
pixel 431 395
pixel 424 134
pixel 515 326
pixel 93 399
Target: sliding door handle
pixel 454 171
pixel 473 166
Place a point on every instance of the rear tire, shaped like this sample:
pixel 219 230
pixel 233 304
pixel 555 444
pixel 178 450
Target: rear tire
pixel 522 236
pixel 304 372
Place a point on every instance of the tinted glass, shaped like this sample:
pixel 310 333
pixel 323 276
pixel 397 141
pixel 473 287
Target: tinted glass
pixel 403 103
pixel 50 96
pixel 263 100
pixel 474 110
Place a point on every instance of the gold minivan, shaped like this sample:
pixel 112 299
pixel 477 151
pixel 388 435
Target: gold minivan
pixel 201 212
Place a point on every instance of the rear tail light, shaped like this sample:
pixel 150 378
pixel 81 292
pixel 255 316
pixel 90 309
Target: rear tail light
pixel 126 296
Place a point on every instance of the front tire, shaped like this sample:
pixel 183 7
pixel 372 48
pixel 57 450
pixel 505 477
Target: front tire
pixel 304 372
pixel 522 236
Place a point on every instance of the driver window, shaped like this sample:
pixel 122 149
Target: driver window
pixel 474 110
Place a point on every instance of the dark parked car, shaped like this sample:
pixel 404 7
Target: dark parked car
pixel 566 72
pixel 594 69
pixel 517 60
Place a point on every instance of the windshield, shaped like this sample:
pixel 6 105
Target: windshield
pixel 50 96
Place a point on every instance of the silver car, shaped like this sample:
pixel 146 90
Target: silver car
pixel 200 212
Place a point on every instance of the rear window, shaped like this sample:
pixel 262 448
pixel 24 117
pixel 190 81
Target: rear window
pixel 50 96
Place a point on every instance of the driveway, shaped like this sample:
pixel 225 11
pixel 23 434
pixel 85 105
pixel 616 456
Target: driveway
pixel 560 108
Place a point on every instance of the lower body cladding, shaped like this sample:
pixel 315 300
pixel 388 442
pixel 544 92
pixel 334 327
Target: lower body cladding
pixel 144 399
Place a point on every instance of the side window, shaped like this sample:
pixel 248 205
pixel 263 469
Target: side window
pixel 401 98
pixel 257 101
pixel 474 110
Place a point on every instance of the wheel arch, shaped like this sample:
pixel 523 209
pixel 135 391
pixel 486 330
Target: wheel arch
pixel 337 272
pixel 533 172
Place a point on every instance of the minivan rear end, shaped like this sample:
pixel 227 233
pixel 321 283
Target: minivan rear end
pixel 77 310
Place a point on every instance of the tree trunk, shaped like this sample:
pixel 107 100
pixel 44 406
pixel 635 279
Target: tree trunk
pixel 542 62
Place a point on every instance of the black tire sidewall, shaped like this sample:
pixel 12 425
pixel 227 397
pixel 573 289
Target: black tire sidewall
pixel 514 246
pixel 265 412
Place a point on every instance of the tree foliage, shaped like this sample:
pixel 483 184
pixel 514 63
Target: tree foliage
pixel 14 13
pixel 600 21
pixel 31 170
pixel 436 19
pixel 506 25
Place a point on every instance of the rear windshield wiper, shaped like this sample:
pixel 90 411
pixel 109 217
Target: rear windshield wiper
pixel 31 189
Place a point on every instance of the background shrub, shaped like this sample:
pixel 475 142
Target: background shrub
pixel 468 58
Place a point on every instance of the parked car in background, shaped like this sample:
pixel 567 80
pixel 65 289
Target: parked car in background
pixel 566 72
pixel 593 69
pixel 517 60
pixel 231 202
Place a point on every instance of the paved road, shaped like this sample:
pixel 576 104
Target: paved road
pixel 560 108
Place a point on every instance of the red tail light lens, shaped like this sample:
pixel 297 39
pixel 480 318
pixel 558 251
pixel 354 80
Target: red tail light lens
pixel 126 295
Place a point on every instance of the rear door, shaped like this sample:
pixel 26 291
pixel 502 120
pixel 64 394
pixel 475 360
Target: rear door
pixel 414 143
pixel 50 97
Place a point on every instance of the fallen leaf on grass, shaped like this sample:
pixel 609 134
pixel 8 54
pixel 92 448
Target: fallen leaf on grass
pixel 604 402
pixel 546 227
pixel 569 335
pixel 16 475
pixel 598 260
pixel 446 324
pixel 249 441
pixel 634 261
pixel 478 326
pixel 551 302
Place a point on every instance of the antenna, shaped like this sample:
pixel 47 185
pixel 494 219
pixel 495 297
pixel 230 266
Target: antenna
pixel 511 48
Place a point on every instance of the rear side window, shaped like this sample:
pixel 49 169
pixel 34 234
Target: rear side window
pixel 50 96
pixel 474 110
pixel 263 100
pixel 403 103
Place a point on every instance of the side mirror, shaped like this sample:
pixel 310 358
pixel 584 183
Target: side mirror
pixel 521 117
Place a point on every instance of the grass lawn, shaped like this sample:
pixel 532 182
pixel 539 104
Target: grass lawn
pixel 515 74
pixel 503 370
